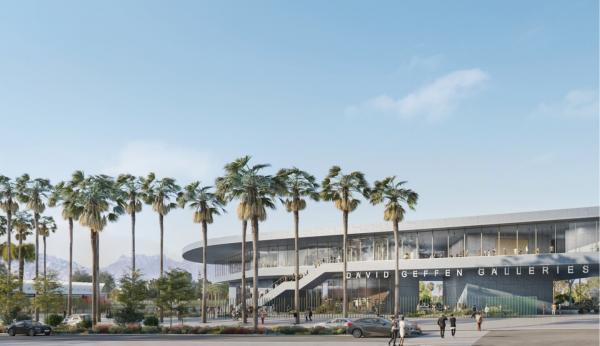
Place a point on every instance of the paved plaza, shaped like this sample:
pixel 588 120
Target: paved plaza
pixel 562 330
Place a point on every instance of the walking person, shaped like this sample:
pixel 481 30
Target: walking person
pixel 394 332
pixel 402 330
pixel 553 309
pixel 263 315
pixel 310 313
pixel 442 324
pixel 452 324
pixel 478 320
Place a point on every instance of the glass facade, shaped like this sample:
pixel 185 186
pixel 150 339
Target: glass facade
pixel 520 239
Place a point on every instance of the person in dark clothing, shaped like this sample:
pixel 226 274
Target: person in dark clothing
pixel 310 314
pixel 452 325
pixel 442 324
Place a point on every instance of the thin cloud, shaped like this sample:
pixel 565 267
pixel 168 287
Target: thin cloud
pixel 577 103
pixel 142 157
pixel 432 101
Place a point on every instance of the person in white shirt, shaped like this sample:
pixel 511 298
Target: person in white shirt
pixel 401 330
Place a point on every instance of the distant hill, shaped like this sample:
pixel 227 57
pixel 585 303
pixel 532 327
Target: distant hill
pixel 148 265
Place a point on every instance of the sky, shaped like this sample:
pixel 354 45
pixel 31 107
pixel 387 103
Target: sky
pixel 483 107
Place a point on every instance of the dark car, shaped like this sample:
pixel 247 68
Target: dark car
pixel 30 328
pixel 376 326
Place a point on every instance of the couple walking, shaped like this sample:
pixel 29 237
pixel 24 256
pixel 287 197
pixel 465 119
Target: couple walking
pixel 441 322
pixel 398 330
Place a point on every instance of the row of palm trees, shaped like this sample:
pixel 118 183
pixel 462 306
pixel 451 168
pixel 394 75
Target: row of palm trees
pixel 95 200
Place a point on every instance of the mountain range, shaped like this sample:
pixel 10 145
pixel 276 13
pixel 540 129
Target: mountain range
pixel 149 265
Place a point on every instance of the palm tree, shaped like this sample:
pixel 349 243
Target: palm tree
pixel 298 185
pixel 205 204
pixel 341 189
pixel 47 226
pixel 34 193
pixel 394 195
pixel 65 194
pixel 159 194
pixel 99 199
pixel 255 192
pixel 225 184
pixel 23 224
pixel 131 188
pixel 8 203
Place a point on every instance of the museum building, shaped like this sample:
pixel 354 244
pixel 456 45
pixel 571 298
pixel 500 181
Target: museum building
pixel 508 260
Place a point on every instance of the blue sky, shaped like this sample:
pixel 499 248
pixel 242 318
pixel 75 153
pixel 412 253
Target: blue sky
pixel 484 107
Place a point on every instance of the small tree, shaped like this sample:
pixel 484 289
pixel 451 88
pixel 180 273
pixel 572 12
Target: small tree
pixel 131 294
pixel 176 290
pixel 48 293
pixel 13 303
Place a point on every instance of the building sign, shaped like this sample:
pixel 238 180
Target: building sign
pixel 483 271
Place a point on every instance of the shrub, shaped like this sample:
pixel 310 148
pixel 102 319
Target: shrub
pixel 290 330
pixel 102 328
pixel 151 321
pixel 53 320
pixel 319 330
pixel 85 324
pixel 150 330
pixel 126 315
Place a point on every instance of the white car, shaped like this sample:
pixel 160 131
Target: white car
pixel 334 323
pixel 75 319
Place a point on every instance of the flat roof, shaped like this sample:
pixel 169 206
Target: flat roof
pixel 193 251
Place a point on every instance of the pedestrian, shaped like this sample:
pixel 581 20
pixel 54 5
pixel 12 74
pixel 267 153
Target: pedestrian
pixel 394 332
pixel 306 316
pixel 310 313
pixel 452 324
pixel 402 330
pixel 487 310
pixel 553 308
pixel 478 320
pixel 442 324
pixel 263 315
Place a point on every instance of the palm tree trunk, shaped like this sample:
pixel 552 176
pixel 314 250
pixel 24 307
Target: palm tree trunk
pixel 255 272
pixel 8 235
pixel 98 293
pixel 204 279
pixel 36 218
pixel 44 242
pixel 244 227
pixel 70 294
pixel 297 267
pixel 396 271
pixel 133 241
pixel 94 277
pixel 161 224
pixel 162 232
pixel 345 259
pixel 21 264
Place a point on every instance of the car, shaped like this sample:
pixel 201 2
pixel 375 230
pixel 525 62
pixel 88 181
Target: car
pixel 75 319
pixel 376 326
pixel 334 323
pixel 30 328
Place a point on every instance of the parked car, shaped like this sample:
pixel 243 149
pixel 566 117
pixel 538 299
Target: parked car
pixel 376 326
pixel 334 323
pixel 30 328
pixel 75 319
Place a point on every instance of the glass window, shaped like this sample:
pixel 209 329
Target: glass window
pixel 391 247
pixel 366 249
pixel 457 242
pixel 473 242
pixel 440 244
pixel 508 240
pixel 381 248
pixel 526 236
pixel 545 238
pixel 489 241
pixel 353 249
pixel 425 244
pixel 559 234
pixel 585 236
pixel 409 246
